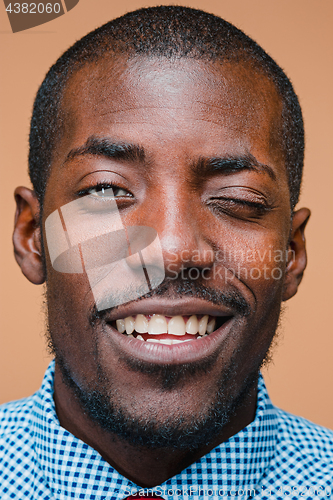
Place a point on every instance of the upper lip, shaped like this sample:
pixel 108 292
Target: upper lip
pixel 167 307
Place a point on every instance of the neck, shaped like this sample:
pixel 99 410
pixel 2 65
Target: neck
pixel 144 466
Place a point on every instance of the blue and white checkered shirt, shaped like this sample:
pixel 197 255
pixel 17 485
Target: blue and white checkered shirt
pixel 275 457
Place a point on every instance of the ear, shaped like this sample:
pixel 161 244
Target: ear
pixel 297 259
pixel 27 237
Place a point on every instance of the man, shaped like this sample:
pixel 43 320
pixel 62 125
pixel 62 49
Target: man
pixel 166 151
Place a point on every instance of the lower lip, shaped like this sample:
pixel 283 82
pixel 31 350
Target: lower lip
pixel 187 352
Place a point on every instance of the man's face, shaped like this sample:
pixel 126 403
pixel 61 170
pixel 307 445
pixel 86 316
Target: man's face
pixel 212 183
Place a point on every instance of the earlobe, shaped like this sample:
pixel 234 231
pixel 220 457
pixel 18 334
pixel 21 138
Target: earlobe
pixel 297 253
pixel 27 237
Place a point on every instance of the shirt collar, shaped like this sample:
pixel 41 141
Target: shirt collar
pixel 243 459
pixel 71 467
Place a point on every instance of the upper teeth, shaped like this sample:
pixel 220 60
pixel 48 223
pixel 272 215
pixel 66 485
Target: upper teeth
pixel 158 325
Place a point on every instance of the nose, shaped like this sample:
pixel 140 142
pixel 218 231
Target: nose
pixel 184 247
pixel 183 233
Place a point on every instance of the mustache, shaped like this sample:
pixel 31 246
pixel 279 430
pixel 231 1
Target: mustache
pixel 177 289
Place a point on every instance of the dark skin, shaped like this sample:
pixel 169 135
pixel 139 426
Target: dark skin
pixel 178 113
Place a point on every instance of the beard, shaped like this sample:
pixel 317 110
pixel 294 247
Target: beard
pixel 178 432
pixel 177 429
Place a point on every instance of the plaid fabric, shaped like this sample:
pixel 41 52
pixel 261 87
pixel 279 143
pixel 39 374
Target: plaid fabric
pixel 275 457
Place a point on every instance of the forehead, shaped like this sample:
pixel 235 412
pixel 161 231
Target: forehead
pixel 200 104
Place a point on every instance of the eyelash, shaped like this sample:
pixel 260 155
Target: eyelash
pixel 99 186
pixel 237 204
pixel 259 208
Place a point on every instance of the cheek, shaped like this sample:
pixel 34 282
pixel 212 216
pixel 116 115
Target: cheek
pixel 70 303
pixel 257 259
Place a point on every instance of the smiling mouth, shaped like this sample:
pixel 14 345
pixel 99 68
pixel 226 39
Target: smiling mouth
pixel 169 330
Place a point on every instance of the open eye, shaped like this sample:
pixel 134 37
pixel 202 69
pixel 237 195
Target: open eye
pixel 108 192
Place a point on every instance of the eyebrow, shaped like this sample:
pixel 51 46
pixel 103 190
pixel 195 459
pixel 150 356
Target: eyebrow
pixel 230 165
pixel 203 167
pixel 97 146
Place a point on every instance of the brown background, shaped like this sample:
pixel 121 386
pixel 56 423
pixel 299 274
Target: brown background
pixel 298 34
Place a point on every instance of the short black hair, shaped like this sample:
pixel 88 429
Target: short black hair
pixel 171 32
